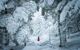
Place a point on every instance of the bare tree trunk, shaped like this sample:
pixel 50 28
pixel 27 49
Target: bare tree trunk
pixel 59 30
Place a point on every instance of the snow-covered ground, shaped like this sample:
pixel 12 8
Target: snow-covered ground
pixel 72 44
pixel 47 47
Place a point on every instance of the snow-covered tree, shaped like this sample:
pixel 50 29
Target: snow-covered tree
pixel 16 22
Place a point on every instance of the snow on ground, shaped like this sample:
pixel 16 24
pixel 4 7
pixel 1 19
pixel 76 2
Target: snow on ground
pixel 37 48
pixel 46 47
pixel 70 45
pixel 56 47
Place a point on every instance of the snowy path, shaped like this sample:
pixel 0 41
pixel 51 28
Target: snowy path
pixel 73 45
pixel 38 48
pixel 48 48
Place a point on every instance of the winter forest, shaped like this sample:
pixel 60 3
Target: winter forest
pixel 39 24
